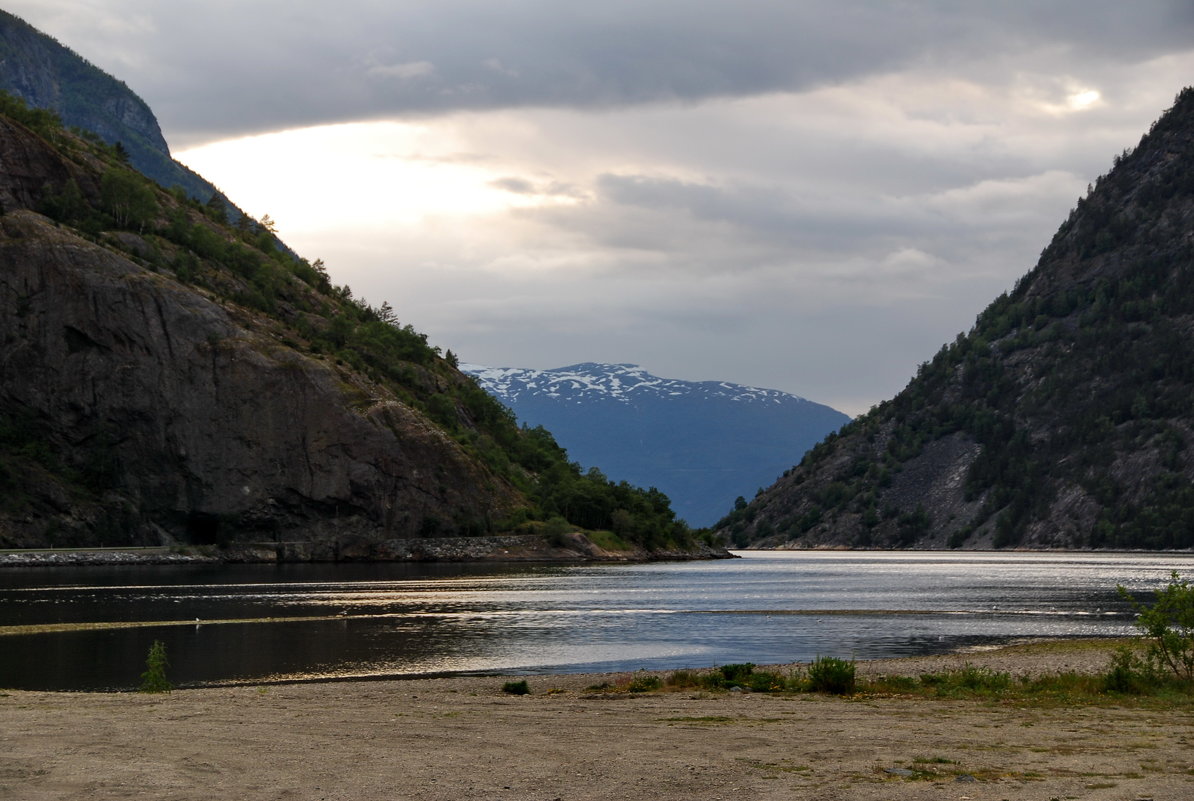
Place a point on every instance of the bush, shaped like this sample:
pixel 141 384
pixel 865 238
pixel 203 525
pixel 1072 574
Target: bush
pixel 738 673
pixel 154 680
pixel 828 674
pixel 516 687
pixel 1168 626
pixel 1128 673
pixel 643 684
pixel 764 682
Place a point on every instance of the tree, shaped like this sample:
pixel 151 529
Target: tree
pixel 1168 624
pixel 127 198
pixel 386 313
pixel 154 680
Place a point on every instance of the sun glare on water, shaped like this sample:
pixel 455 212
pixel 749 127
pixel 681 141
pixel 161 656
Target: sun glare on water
pixel 355 176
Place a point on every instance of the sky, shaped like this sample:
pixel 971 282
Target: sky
pixel 805 195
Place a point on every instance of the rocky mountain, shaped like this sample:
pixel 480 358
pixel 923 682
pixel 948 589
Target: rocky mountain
pixel 702 443
pixel 1063 419
pixel 46 74
pixel 169 378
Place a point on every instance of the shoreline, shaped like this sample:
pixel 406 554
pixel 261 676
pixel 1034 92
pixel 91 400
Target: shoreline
pixel 464 739
pixel 496 549
pixel 1021 657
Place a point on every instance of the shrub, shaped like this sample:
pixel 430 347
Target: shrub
pixel 1168 626
pixel 828 674
pixel 764 682
pixel 1128 673
pixel 154 680
pixel 516 687
pixel 738 673
pixel 646 683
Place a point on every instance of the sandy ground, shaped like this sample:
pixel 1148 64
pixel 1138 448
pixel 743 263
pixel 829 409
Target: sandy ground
pixel 463 738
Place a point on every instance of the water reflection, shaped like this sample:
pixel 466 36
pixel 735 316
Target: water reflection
pixel 259 623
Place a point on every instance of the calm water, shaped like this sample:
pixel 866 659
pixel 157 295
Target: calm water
pixel 271 623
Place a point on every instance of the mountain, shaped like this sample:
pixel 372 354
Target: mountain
pixel 1063 419
pixel 46 74
pixel 169 378
pixel 702 443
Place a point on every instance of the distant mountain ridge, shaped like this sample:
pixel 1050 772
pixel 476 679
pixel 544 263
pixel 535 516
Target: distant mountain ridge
pixel 623 383
pixel 46 74
pixel 703 443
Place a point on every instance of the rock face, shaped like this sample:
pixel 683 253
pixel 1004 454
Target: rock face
pixel 142 411
pixel 703 443
pixel 1063 419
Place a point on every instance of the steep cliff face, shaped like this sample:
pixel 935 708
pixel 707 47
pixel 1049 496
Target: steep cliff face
pixel 137 409
pixel 1063 419
pixel 200 421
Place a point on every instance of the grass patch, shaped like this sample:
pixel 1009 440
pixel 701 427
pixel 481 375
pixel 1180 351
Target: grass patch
pixel 741 676
pixel 516 687
pixel 608 540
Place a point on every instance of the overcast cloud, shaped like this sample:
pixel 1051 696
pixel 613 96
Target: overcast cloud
pixel 811 196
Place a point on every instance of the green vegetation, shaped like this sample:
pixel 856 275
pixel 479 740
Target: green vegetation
pixel 644 683
pixel 1080 371
pixel 39 120
pixel 516 687
pixel 968 682
pixel 263 284
pixel 1158 665
pixel 828 674
pixel 154 680
pixel 1168 628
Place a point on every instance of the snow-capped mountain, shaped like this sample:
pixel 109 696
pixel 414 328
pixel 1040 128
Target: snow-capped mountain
pixel 703 443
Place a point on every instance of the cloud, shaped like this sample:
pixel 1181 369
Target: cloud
pixel 519 186
pixel 403 72
pixel 223 68
pixel 810 196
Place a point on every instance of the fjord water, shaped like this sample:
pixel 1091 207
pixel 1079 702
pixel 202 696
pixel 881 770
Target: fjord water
pixel 90 628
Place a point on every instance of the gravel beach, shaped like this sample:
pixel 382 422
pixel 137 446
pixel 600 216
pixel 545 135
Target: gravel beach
pixel 464 738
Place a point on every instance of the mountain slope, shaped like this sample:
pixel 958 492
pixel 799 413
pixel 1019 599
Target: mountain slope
pixel 702 443
pixel 170 378
pixel 45 74
pixel 1062 419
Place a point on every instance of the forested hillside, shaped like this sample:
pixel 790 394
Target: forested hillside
pixel 170 376
pixel 1064 418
